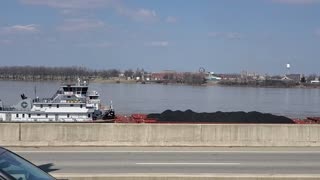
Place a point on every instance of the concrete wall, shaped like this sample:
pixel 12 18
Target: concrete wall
pixel 99 134
pixel 9 133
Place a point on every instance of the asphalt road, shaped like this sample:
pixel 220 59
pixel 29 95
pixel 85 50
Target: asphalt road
pixel 176 160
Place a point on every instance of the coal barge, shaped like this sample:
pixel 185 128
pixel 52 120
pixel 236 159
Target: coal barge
pixel 190 117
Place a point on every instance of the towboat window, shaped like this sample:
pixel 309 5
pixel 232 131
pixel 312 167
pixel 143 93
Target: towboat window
pixel 67 89
pixel 17 115
pixel 38 114
pixel 84 90
pixel 46 115
pixel 80 105
pixel 89 115
pixel 57 105
pixel 94 97
pixel 23 115
pixel 50 105
pixel 68 115
pixel 41 105
pixel 71 105
pixel 78 90
pixel 29 115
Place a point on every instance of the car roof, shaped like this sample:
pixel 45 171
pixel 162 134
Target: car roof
pixel 2 150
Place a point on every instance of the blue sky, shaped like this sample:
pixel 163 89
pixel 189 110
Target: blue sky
pixel 220 35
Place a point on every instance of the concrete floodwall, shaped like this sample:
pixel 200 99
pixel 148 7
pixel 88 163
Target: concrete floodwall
pixel 99 134
pixel 9 134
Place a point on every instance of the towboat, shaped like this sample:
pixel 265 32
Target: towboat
pixel 71 103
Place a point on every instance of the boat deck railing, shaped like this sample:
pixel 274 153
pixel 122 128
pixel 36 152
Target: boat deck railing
pixel 43 100
pixel 8 109
pixel 49 100
pixel 82 84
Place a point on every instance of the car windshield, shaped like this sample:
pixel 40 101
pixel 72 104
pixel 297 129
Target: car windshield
pixel 20 169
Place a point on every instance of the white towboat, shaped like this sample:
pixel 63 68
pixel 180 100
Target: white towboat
pixel 71 103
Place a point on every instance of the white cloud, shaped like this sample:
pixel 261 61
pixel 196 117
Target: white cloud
pixel 71 4
pixel 70 7
pixel 157 44
pixel 144 15
pixel 69 12
pixel 234 35
pixel 30 28
pixel 226 35
pixel 296 1
pixel 171 19
pixel 72 25
pixel 95 45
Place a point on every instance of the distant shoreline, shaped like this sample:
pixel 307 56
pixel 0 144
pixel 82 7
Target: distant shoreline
pixel 124 81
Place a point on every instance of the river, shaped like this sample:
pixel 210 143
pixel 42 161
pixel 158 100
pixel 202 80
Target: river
pixel 155 98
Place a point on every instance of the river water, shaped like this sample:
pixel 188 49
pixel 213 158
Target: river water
pixel 155 98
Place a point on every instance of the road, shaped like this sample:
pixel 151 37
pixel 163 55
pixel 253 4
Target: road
pixel 176 160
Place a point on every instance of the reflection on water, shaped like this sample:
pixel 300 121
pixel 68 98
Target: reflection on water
pixel 147 98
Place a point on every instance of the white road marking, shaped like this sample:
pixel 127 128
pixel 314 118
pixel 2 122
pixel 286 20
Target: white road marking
pixel 190 175
pixel 188 163
pixel 63 151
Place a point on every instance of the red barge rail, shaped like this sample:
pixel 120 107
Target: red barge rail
pixel 308 120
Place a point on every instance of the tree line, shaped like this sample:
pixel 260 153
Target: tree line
pixel 61 73
pixel 42 73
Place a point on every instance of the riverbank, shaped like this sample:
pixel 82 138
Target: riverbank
pixel 113 81
pixel 270 85
pixel 283 84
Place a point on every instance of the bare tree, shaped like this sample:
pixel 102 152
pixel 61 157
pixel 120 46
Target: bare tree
pixel 128 73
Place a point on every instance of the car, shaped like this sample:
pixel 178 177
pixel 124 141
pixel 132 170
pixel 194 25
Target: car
pixel 15 167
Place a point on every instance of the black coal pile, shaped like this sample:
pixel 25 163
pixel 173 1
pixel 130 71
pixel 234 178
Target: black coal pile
pixel 219 117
